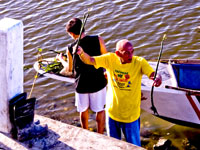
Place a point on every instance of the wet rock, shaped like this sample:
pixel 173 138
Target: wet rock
pixel 188 145
pixel 163 144
pixel 146 133
pixel 198 29
pixel 145 141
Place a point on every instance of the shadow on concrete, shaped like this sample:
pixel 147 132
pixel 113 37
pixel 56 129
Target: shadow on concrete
pixel 48 142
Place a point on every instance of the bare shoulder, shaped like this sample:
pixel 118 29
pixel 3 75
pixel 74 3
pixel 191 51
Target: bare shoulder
pixel 100 39
pixel 102 45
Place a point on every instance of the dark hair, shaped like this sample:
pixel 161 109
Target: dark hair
pixel 74 26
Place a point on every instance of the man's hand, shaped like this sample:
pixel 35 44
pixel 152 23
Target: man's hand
pixel 85 57
pixel 158 80
pixel 59 56
pixel 79 50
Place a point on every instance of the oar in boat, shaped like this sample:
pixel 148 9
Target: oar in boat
pixel 58 52
pixel 152 88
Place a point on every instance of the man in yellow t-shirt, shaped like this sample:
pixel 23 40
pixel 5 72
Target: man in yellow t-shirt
pixel 124 72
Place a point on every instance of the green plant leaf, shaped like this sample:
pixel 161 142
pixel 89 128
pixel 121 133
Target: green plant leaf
pixel 40 49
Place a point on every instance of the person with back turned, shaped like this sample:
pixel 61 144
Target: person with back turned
pixel 124 73
pixel 90 82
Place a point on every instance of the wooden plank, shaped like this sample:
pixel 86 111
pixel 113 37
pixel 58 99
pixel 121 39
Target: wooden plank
pixel 188 91
pixel 196 109
pixel 181 61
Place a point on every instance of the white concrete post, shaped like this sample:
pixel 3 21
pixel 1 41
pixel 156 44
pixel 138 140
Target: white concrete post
pixel 11 66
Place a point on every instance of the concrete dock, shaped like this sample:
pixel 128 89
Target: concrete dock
pixel 65 137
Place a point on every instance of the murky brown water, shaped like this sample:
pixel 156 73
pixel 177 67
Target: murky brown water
pixel 143 22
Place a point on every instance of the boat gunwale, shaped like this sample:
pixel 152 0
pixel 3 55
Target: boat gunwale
pixel 181 61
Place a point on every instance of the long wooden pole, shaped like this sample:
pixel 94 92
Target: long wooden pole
pixel 79 38
pixel 153 108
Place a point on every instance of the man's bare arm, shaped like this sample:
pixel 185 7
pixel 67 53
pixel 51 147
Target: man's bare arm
pixel 102 46
pixel 85 57
pixel 70 60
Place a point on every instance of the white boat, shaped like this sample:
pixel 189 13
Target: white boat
pixel 37 66
pixel 180 105
pixel 171 101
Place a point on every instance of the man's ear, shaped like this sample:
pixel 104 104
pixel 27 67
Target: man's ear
pixel 118 53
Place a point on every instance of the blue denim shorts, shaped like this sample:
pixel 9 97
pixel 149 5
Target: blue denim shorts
pixel 131 130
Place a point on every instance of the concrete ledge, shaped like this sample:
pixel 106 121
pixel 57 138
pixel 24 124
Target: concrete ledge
pixel 66 137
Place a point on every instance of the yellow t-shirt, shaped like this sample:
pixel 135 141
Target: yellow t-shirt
pixel 124 85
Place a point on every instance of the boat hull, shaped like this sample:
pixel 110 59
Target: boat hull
pixel 177 105
pixel 172 105
pixel 52 75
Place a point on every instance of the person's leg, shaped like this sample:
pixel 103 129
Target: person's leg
pixel 132 132
pixel 113 128
pixel 84 116
pixel 97 103
pixel 100 119
pixel 82 103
